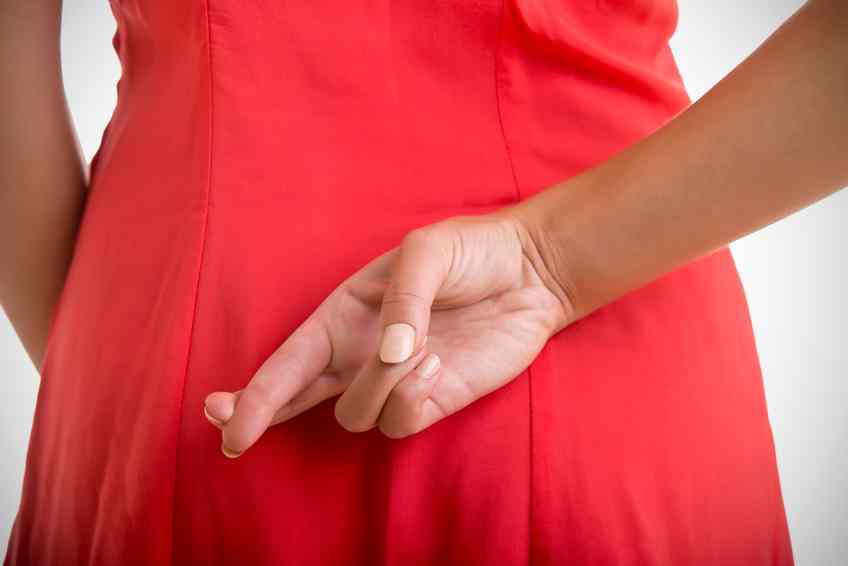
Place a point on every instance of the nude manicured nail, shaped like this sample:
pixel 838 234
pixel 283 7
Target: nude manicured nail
pixel 229 453
pixel 398 342
pixel 428 366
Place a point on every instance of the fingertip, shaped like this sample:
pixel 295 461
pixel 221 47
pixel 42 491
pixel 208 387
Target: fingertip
pixel 235 438
pixel 229 453
pixel 212 419
pixel 423 379
pixel 219 407
pixel 429 366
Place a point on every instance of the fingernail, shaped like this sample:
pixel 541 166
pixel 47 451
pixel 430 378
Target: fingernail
pixel 210 418
pixel 398 341
pixel 428 366
pixel 229 453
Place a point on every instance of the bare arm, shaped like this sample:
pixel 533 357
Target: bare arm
pixel 769 139
pixel 43 175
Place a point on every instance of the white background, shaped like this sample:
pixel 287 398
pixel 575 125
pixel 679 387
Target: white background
pixel 792 271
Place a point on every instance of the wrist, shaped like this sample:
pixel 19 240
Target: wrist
pixel 561 228
pixel 548 258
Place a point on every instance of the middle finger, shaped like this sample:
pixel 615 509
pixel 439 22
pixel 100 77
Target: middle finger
pixel 358 408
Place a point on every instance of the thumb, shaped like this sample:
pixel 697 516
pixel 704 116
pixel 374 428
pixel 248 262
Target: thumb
pixel 420 268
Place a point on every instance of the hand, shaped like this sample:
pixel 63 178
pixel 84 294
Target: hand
pixel 465 298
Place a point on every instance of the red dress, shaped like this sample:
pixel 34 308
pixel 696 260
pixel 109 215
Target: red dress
pixel 262 151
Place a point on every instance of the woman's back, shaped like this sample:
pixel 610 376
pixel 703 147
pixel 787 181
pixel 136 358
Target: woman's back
pixel 261 152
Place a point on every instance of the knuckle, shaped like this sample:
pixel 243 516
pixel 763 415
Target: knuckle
pixel 437 241
pixel 395 296
pixel 424 236
pixel 433 239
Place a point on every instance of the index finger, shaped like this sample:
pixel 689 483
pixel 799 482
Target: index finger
pixel 299 361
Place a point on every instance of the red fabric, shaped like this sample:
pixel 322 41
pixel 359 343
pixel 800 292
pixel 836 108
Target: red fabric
pixel 262 151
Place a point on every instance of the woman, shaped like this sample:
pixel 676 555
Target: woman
pixel 450 281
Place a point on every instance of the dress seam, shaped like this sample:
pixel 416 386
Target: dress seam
pixel 498 105
pixel 203 239
pixel 511 164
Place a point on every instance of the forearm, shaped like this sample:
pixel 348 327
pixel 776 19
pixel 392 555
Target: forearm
pixel 768 140
pixel 43 175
